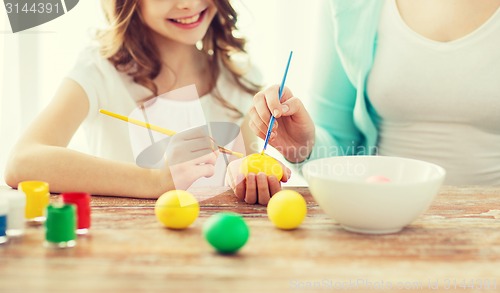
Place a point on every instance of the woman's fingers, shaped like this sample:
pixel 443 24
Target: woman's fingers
pixel 274 185
pixel 257 188
pixel 267 103
pixel 254 188
pixel 240 188
pixel 292 106
pixel 256 124
pixel 286 173
pixel 261 106
pixel 259 115
pixel 273 101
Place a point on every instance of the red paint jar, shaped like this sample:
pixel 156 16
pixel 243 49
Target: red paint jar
pixel 82 202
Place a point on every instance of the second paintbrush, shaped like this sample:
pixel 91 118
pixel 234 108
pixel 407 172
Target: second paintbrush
pixel 159 129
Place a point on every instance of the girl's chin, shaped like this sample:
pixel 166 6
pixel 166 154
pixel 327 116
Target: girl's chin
pixel 188 41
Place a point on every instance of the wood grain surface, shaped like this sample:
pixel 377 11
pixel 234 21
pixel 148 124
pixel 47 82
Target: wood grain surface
pixel 454 246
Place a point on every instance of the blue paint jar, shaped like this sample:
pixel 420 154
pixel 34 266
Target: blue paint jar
pixel 4 209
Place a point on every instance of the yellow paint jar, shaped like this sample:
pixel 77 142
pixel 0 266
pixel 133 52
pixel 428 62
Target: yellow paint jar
pixel 37 199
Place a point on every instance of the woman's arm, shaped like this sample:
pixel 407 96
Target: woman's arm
pixel 333 96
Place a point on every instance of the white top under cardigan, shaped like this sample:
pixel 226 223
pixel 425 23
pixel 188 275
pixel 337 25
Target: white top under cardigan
pixel 432 95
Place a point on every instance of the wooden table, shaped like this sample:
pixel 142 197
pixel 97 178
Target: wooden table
pixel 455 243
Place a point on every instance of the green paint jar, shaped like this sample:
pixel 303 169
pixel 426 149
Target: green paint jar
pixel 60 226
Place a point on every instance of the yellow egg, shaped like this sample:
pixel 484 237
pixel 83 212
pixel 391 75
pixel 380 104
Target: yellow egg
pixel 256 163
pixel 177 209
pixel 287 209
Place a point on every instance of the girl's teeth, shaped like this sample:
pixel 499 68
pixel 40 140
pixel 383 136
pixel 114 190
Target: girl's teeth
pixel 189 20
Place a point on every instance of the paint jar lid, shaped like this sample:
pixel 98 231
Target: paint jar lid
pixel 4 206
pixel 16 198
pixel 61 223
pixel 34 187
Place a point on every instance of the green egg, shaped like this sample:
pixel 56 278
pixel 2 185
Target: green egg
pixel 226 232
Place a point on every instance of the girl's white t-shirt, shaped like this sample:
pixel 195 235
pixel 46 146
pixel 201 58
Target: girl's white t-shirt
pixel 115 91
pixel 439 101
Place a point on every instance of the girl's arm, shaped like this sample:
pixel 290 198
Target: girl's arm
pixel 41 154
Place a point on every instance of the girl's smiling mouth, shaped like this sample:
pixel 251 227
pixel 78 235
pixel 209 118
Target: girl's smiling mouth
pixel 190 21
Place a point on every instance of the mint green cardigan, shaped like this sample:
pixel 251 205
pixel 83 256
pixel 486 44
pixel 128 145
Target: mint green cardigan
pixel 346 123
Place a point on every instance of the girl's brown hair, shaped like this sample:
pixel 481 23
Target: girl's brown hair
pixel 127 44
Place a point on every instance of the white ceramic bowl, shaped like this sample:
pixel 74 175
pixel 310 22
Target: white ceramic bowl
pixel 341 187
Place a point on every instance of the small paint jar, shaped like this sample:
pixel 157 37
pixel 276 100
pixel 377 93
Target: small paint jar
pixel 37 199
pixel 82 202
pixel 4 209
pixel 17 205
pixel 60 226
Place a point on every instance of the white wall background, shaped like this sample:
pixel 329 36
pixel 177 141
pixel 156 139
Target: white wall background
pixel 34 62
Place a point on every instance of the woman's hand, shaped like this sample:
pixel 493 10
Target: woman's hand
pixel 293 129
pixel 255 188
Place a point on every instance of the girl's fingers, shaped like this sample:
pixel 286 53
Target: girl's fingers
pixel 263 189
pixel 204 170
pixel 202 157
pixel 198 144
pixel 180 151
pixel 183 175
pixel 193 133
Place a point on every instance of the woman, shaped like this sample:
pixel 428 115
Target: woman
pixel 408 78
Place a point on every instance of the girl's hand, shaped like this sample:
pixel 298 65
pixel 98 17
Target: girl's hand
pixel 293 129
pixel 255 188
pixel 190 155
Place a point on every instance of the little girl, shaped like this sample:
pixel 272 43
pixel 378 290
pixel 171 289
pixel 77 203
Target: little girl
pixel 151 47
